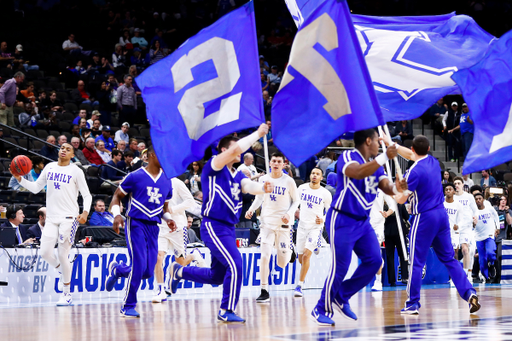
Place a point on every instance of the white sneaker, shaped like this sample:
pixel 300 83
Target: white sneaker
pixel 60 285
pixel 482 278
pixel 160 296
pixel 198 258
pixel 452 285
pixel 377 286
pixel 470 278
pixel 65 300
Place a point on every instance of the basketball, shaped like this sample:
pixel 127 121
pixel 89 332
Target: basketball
pixel 21 165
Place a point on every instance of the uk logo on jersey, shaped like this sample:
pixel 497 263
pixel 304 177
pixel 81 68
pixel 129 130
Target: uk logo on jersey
pixel 153 195
pixel 235 191
pixel 273 197
pixel 310 205
pixel 56 185
pixel 371 184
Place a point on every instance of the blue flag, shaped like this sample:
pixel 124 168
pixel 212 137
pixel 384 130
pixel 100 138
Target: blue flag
pixel 326 89
pixel 411 59
pixel 208 88
pixel 487 89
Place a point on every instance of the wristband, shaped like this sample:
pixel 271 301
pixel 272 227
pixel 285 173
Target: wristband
pixel 248 141
pixel 381 159
pixel 167 216
pixel 115 210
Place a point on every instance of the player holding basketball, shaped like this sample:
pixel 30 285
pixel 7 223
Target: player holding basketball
pixel 222 189
pixel 349 225
pixel 181 200
pixel 63 181
pixel 430 225
pixel 315 200
pixel 149 193
pixel 276 219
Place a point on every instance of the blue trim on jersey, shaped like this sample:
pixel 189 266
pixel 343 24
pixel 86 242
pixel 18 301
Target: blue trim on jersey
pixel 144 209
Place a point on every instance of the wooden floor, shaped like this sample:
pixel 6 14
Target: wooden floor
pixel 443 316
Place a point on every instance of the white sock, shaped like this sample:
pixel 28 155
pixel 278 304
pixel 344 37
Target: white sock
pixel 222 311
pixel 264 287
pixel 301 284
pixel 180 272
pixel 378 278
pixel 66 288
pixel 161 285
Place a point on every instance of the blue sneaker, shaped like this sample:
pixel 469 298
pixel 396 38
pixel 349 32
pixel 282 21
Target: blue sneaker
pixel 112 277
pixel 130 313
pixel 175 279
pixel 344 309
pixel 411 310
pixel 321 319
pixel 229 317
pixel 298 291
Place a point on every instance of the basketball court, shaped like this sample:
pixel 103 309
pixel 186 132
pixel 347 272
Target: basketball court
pixel 443 316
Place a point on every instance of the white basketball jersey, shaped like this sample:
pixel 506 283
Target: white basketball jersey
pixel 313 203
pixel 469 210
pixel 181 200
pixel 453 209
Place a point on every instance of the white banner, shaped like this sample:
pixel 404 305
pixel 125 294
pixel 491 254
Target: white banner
pixel 39 284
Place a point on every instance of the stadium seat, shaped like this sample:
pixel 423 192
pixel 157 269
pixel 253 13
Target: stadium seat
pixel 94 184
pixel 133 131
pixel 37 145
pixel 87 107
pixel 64 126
pixel 507 177
pixel 92 171
pixel 67 116
pixel 22 197
pixel 70 107
pixel 42 134
pixel 39 198
pixel 145 132
pixel 408 143
pixel 4 181
pixel 31 210
pixel 55 133
pixel 7 196
pixel 30 131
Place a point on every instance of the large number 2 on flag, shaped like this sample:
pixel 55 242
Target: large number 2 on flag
pixel 315 68
pixel 191 106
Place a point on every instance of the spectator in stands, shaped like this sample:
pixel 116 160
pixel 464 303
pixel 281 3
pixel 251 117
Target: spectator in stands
pixel 137 60
pixel 47 119
pixel 75 131
pixel 468 182
pixel 124 40
pixel 126 164
pixel 452 136
pixel 134 147
pixel 16 186
pixel 95 115
pixel 81 114
pixel 29 92
pixel 30 117
pixel 140 162
pixel 6 58
pixel 193 180
pixel 404 130
pixel 267 104
pixel 50 150
pixel 134 72
pixel 74 48
pixel 75 142
pixel 156 53
pixel 467 129
pixel 119 59
pixel 37 167
pixel 90 152
pixel 331 183
pixel 101 217
pixel 112 174
pixel 61 140
pixel 20 63
pixel 139 41
pixel 112 83
pixel 122 134
pixel 249 166
pixel 121 146
pixel 192 236
pixel 54 103
pixel 264 82
pixel 105 137
pixel 392 241
pixel 42 96
pixel 15 218
pixel 103 152
pixel 487 179
pixel 196 210
pixel 270 140
pixel 8 98
pixel 81 96
pixel 95 66
pixel 96 128
pixel 127 100
pixel 436 114
pixel 36 230
pixel 274 77
pixel 324 162
pixel 446 177
pixel 141 147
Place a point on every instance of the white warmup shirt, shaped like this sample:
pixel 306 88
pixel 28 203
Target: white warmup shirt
pixel 488 222
pixel 453 209
pixel 313 203
pixel 284 199
pixel 469 210
pixel 377 220
pixel 181 200
pixel 62 186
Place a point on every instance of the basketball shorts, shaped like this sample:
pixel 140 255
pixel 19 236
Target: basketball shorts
pixel 455 236
pixel 280 238
pixel 61 228
pixel 308 239
pixel 176 241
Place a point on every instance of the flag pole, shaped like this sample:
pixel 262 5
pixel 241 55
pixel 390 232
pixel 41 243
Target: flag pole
pixel 265 150
pixel 397 213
